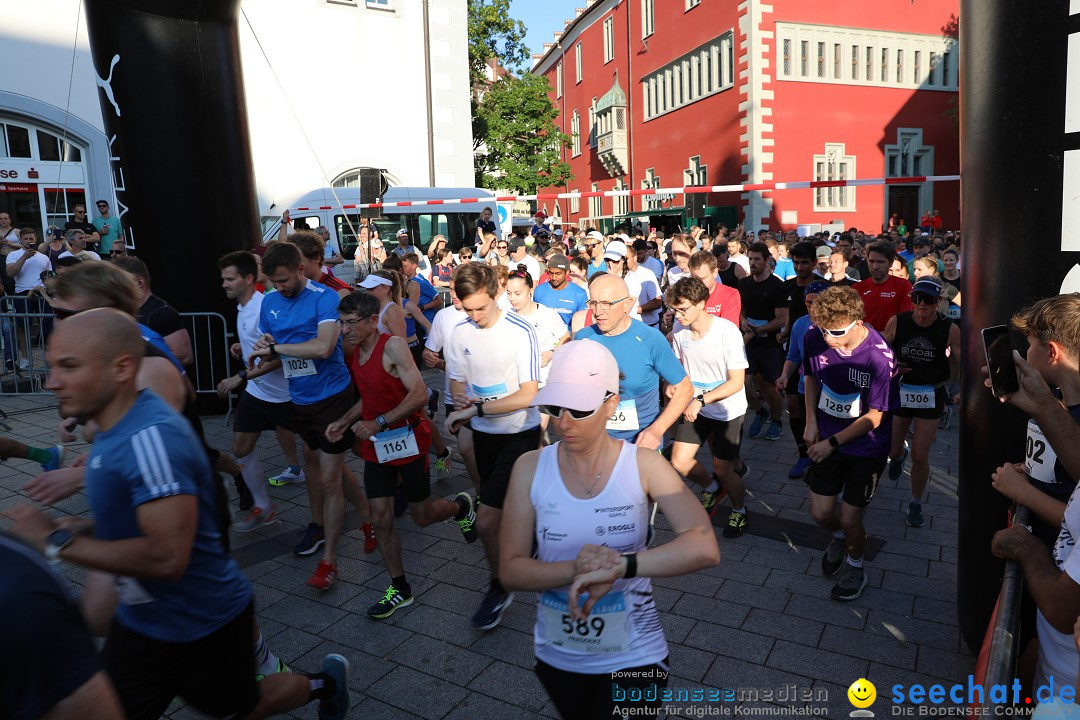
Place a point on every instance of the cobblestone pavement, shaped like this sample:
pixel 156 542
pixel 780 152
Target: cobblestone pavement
pixel 762 619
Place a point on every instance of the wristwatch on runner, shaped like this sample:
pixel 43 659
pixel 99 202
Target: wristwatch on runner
pixel 700 398
pixel 381 421
pixel 836 444
pixel 57 541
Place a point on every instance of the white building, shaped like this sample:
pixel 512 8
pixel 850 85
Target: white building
pixel 331 86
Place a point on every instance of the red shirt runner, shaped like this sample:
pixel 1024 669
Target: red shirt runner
pixel 724 302
pixel 334 283
pixel 885 301
pixel 382 392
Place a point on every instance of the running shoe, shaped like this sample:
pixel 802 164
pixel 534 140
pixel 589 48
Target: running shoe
pixel 324 576
pixel 371 543
pixel 281 667
pixel 336 707
pixel 391 601
pixel 243 495
pixel 56 458
pixel 433 404
pixel 287 477
pixel 834 556
pixel 914 515
pixel 256 518
pixel 799 469
pixel 491 609
pixel 946 418
pixel 776 431
pixel 312 541
pixel 758 424
pixel 896 467
pixel 467 523
pixel 851 583
pixel 736 524
pixel 711 500
pixel 444 464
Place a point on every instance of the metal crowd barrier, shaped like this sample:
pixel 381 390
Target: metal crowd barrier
pixel 210 339
pixel 1002 644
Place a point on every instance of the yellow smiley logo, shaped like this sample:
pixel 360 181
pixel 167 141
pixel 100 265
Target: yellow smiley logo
pixel 862 693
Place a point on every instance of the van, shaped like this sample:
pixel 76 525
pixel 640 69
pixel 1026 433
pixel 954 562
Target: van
pixel 335 208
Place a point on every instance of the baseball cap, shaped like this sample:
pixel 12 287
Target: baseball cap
pixel 558 262
pixel 816 288
pixel 625 238
pixel 615 250
pixel 927 286
pixel 921 240
pixel 515 244
pixel 403 233
pixel 540 213
pixel 583 373
pixel 558 232
pixel 823 253
pixel 595 235
pixel 373 281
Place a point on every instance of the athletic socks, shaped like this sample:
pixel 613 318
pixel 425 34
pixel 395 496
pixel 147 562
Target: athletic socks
pixel 713 486
pixel 266 662
pixel 839 534
pixel 853 562
pixel 252 473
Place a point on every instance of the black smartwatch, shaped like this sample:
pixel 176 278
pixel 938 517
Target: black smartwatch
pixel 700 398
pixel 381 421
pixel 273 348
pixel 242 374
pixel 57 541
pixel 836 444
pixel 480 409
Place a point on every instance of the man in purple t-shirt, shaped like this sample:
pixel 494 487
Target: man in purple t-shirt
pixel 849 372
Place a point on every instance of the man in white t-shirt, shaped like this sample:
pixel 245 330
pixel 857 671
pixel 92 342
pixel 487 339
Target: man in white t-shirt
pixel 650 300
pixel 26 266
pixel 76 240
pixel 264 403
pixel 713 354
pixel 493 360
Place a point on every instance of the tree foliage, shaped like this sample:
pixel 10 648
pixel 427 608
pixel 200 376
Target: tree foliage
pixel 518 146
pixel 494 34
pixel 516 141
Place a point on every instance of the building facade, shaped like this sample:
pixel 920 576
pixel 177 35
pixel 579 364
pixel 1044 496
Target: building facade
pixel 332 86
pixel 673 93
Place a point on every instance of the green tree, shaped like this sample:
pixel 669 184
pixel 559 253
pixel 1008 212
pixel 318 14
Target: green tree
pixel 517 144
pixel 494 34
pixel 516 141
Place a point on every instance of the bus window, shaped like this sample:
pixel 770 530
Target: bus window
pixel 347 227
pixel 306 222
pixel 430 226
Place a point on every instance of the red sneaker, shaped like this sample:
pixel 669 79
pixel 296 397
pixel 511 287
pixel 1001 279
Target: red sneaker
pixel 370 542
pixel 324 576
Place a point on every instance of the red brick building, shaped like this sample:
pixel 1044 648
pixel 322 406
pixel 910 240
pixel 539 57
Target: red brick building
pixel 669 93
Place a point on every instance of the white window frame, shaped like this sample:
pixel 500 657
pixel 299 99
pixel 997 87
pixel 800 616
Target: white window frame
pixel 648 18
pixel 577 64
pixel 594 131
pixel 834 164
pixel 706 70
pixel 651 181
pixel 621 202
pixel 383 5
pixel 596 204
pixel 609 38
pixel 878 58
pixel 691 4
pixel 695 174
pixel 575 133
pixel 575 203
pixel 558 80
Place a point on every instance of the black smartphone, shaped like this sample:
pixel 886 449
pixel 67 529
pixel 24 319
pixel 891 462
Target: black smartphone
pixel 999 359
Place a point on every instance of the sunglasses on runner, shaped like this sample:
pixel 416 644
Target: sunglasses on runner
pixel 841 332
pixel 923 299
pixel 556 412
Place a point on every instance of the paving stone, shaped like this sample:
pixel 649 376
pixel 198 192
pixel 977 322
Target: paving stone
pixel 510 646
pixel 458 600
pixel 814 662
pixel 463 575
pixel 459 551
pixel 304 614
pixel 872 643
pixel 726 641
pixel 890 601
pixel 827 611
pixel 945 664
pixel 372 708
pixel 733 569
pixel 420 694
pixel 923 632
pixel 665 598
pixel 922 587
pixel 777 625
pixel 752 595
pixel 364 669
pixel 291 644
pixel 481 707
pixel 436 623
pixel 895 562
pixel 935 610
pixel 711 610
pixel 438 658
pixel 361 632
pixel 797 560
pixel 518 686
pixel 676 627
pixel 729 672
pixel 811 584
pixel 696 583
pixel 692 663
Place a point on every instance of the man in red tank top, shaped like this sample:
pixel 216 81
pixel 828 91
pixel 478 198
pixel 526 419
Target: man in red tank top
pixel 393 437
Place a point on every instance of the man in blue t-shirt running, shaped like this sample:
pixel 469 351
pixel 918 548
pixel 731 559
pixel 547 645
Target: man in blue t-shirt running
pixel 186 612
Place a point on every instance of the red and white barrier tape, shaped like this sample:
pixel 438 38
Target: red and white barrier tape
pixel 748 187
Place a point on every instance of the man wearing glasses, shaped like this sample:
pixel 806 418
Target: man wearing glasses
pixel 849 371
pixel 108 228
pixel 80 222
pixel 645 358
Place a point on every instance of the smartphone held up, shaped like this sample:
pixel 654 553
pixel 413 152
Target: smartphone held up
pixel 999 360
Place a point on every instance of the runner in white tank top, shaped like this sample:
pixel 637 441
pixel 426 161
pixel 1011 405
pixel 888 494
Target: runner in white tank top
pixel 585 503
